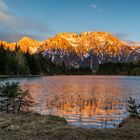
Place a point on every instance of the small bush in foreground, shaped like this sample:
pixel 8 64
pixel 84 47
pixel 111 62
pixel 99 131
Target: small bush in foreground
pixel 133 108
pixel 13 99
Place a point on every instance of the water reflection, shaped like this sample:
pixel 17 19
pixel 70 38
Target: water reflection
pixel 85 111
pixel 87 101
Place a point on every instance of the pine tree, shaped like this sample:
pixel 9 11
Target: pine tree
pixel 13 99
pixel 22 67
pixel 11 66
pixel 2 60
pixel 133 108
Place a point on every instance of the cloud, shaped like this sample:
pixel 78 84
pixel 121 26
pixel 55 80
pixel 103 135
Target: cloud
pixel 19 26
pixel 132 43
pixel 3 6
pixel 6 19
pixel 94 6
pixel 126 38
pixel 122 36
pixel 16 36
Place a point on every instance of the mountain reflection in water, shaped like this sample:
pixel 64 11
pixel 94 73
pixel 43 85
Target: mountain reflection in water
pixel 85 101
pixel 81 110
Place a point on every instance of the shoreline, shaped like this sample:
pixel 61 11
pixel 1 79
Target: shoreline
pixel 19 76
pixel 38 127
pixel 32 76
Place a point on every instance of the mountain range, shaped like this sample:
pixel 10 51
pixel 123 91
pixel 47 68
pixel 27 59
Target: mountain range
pixel 87 49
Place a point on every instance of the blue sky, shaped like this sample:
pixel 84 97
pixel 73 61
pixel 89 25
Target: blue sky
pixel 41 19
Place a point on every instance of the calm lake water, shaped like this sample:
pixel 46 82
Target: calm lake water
pixel 85 101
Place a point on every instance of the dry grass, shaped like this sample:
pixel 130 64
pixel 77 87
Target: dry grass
pixel 31 126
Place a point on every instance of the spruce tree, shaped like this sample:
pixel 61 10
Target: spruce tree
pixel 13 99
pixel 133 108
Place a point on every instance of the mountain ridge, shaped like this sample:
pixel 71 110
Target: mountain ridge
pixel 87 49
pixel 24 44
pixel 28 41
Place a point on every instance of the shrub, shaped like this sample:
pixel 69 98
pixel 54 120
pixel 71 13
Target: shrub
pixel 13 99
pixel 133 108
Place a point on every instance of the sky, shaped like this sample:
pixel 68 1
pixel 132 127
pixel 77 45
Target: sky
pixel 41 19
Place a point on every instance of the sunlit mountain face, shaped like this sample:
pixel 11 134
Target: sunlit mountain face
pixel 25 44
pixel 88 49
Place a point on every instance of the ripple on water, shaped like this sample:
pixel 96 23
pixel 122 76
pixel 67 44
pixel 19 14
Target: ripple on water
pixel 85 101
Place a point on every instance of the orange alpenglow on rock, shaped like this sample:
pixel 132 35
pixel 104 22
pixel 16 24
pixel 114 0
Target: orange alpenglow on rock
pixel 25 44
pixel 9 46
pixel 100 42
pixel 28 44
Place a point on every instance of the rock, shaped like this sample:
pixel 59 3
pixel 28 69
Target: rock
pixel 4 124
pixel 2 119
pixel 13 127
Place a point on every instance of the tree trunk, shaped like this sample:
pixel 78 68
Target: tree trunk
pixel 20 103
pixel 13 106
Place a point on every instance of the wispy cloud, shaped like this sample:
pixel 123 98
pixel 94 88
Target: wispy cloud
pixel 3 6
pixel 122 36
pixel 16 36
pixel 94 6
pixel 126 38
pixel 19 26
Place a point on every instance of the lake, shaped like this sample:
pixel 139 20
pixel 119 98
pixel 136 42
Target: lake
pixel 84 101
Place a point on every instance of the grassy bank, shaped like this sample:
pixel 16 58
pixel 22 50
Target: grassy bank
pixel 29 126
